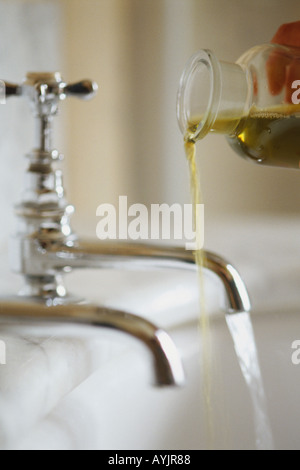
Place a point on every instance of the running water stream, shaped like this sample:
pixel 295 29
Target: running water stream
pixel 241 330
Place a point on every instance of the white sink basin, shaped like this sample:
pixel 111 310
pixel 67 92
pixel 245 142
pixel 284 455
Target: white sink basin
pixel 116 409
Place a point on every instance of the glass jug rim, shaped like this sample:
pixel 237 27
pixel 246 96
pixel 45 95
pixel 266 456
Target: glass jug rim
pixel 204 57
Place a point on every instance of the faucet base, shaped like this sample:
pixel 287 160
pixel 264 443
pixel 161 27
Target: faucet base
pixel 49 290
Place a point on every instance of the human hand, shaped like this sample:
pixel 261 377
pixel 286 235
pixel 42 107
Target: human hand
pixel 283 71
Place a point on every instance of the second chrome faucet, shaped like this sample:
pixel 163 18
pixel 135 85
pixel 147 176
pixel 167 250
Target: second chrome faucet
pixel 45 248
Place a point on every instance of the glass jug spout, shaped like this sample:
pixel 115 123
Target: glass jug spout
pixel 211 91
pixel 254 102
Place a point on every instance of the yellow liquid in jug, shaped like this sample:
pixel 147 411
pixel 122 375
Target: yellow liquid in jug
pixel 268 136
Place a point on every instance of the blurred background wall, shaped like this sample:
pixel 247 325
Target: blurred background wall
pixel 127 141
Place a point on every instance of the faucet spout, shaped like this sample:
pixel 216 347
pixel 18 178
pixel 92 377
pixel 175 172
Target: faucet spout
pixel 86 254
pixel 167 365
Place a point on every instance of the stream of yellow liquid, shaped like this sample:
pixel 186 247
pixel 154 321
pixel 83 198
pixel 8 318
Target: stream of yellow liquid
pixel 204 328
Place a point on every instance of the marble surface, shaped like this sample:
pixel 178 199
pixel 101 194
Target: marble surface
pixel 60 384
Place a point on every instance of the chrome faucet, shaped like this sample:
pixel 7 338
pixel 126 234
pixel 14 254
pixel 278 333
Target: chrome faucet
pixel 44 247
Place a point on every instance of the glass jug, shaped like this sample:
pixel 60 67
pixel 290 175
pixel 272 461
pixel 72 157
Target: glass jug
pixel 255 102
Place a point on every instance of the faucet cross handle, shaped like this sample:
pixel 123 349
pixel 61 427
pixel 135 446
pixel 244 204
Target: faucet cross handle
pixel 46 89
